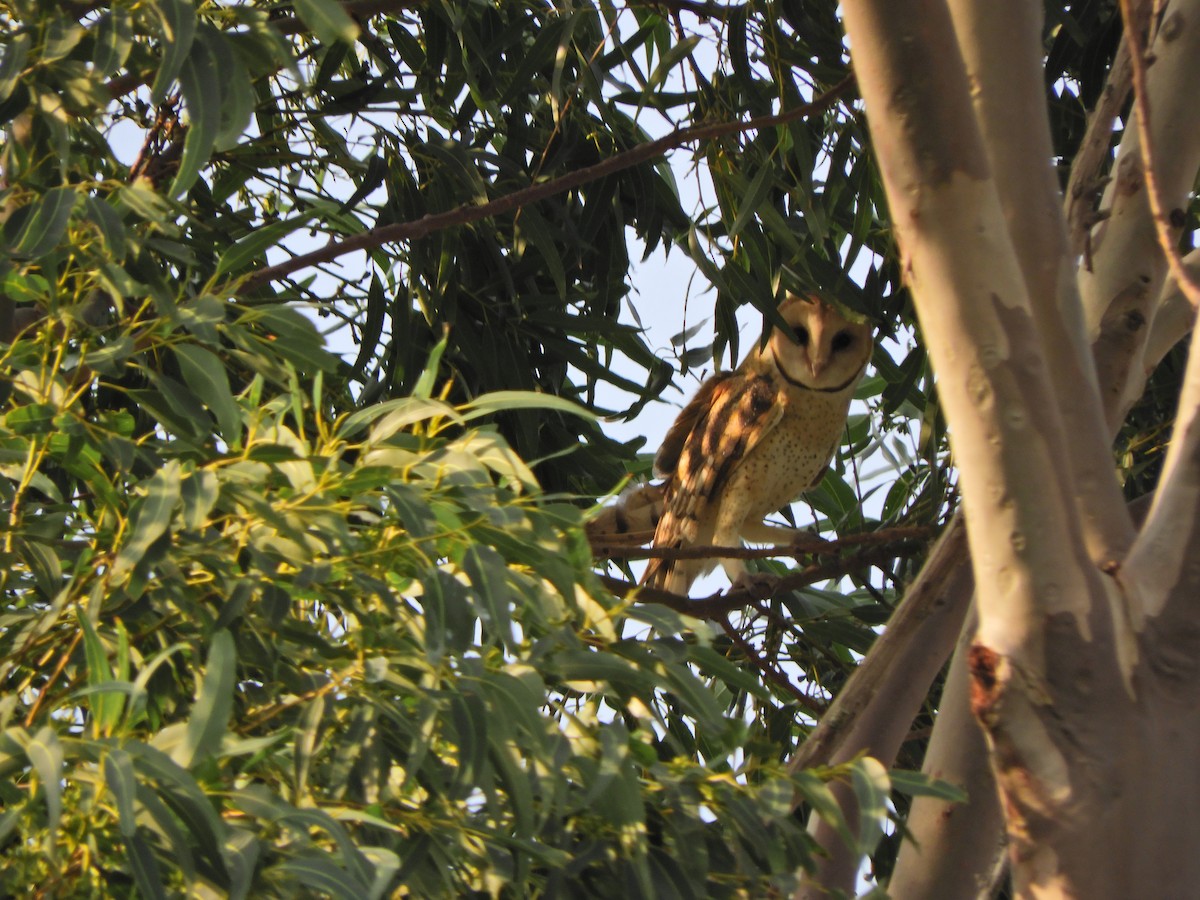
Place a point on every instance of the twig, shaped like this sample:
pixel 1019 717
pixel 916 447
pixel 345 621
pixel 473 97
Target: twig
pixel 463 215
pixel 1162 219
pixel 772 672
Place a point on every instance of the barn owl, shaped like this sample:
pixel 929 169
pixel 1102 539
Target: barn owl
pixel 753 439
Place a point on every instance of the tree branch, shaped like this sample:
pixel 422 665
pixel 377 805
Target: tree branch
pixel 1002 50
pixel 1127 268
pixel 1086 176
pixel 1167 225
pixel 463 215
pixel 803 545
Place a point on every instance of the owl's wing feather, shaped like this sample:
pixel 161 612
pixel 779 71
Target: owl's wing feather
pixel 738 410
pixel 681 429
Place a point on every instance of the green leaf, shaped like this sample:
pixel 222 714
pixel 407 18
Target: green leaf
pixel 318 874
pixel 146 873
pixel 46 755
pixel 752 199
pixel 507 401
pixel 113 41
pixel 488 573
pixel 918 784
pixel 255 245
pixel 16 51
pixel 306 741
pixel 199 492
pixel 178 31
pixel 328 21
pixel 61 36
pixel 209 379
pixel 871 785
pixel 424 385
pixel 106 706
pixel 150 519
pixel 214 703
pixel 108 221
pixel 200 83
pixel 121 781
pixel 45 223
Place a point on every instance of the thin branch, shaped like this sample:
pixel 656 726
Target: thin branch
pixel 463 215
pixel 1093 152
pixel 617 548
pixel 770 671
pixel 1164 223
pixel 719 604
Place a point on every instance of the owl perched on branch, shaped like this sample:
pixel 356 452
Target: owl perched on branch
pixel 753 439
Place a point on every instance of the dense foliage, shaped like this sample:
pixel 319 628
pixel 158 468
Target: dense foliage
pixel 278 621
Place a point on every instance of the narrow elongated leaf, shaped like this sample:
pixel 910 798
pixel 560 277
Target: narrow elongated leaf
pixel 45 223
pixel 485 567
pixel 151 518
pixel 255 245
pixel 320 875
pixel 506 401
pixel 106 706
pixel 306 740
pixel 62 34
pixel 146 873
pixel 178 30
pixel 46 755
pixel 206 375
pixel 214 703
pixel 113 41
pixel 108 221
pixel 871 786
pixel 328 20
pixel 201 87
pixel 16 51
pixel 121 781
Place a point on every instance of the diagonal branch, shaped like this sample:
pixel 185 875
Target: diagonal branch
pixel 463 215
pixel 1166 224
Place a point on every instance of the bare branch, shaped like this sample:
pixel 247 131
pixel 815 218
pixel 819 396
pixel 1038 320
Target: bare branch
pixel 957 850
pixel 1167 224
pixel 1126 268
pixel 1160 566
pixel 1174 319
pixel 1086 178
pixel 805 545
pixel 908 654
pixel 723 602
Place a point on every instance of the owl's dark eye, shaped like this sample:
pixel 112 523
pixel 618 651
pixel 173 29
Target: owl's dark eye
pixel 801 335
pixel 841 341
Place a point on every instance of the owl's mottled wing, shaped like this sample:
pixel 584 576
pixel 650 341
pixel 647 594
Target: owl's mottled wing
pixel 737 411
pixel 685 423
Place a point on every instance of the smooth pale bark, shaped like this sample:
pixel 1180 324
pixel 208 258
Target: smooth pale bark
pixel 1125 270
pixel 896 675
pixel 956 850
pixel 1040 253
pixel 1001 45
pixel 1087 701
pixel 1173 319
